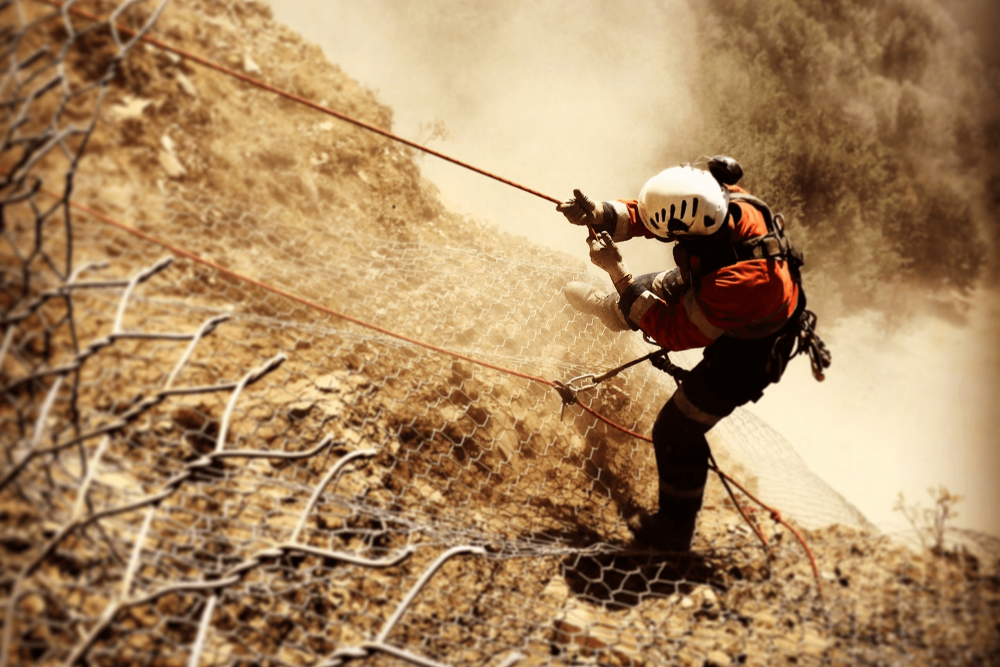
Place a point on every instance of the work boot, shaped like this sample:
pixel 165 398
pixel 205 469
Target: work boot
pixel 671 528
pixel 664 533
pixel 588 299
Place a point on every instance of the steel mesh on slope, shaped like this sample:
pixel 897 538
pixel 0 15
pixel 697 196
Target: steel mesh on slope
pixel 201 472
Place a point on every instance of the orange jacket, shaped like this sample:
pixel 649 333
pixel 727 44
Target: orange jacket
pixel 748 299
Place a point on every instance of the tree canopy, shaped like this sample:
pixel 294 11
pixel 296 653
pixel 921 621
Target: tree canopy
pixel 868 124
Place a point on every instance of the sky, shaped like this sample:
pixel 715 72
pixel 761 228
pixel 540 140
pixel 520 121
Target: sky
pixel 559 95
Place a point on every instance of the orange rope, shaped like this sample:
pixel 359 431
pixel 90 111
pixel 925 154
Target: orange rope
pixel 196 258
pixel 776 515
pixel 614 424
pixel 301 100
pixel 180 252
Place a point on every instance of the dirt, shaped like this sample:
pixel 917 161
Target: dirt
pixel 464 454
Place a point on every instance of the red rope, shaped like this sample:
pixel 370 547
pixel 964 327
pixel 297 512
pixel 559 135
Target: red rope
pixel 305 102
pixel 180 252
pixel 615 425
pixel 776 515
pixel 336 114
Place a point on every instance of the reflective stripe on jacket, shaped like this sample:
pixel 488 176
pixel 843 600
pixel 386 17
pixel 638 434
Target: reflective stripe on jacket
pixel 748 299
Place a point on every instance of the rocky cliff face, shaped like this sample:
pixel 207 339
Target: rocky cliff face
pixel 270 493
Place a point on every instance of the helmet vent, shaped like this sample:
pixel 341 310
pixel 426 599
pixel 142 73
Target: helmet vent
pixel 677 226
pixel 682 201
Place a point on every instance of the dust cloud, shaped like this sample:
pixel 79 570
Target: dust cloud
pixel 552 95
pixel 557 95
pixel 906 406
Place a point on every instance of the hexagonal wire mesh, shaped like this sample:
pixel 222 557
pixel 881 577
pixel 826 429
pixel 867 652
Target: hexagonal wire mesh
pixel 198 470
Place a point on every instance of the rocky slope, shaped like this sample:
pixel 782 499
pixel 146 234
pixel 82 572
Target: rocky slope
pixel 461 455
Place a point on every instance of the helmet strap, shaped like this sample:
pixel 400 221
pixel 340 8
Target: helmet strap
pixel 704 245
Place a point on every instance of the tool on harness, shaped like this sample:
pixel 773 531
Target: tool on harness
pixel 568 390
pixel 567 393
pixel 810 343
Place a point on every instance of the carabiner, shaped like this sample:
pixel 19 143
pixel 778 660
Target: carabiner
pixel 581 378
pixel 567 391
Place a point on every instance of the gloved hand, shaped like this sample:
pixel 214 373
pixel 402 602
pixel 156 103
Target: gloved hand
pixel 606 255
pixel 581 210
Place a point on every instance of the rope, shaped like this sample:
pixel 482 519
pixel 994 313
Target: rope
pixel 732 496
pixel 628 364
pixel 300 100
pixel 180 252
pixel 776 515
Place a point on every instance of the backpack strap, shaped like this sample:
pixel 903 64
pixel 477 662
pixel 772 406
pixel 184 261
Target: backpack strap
pixel 799 334
pixel 773 245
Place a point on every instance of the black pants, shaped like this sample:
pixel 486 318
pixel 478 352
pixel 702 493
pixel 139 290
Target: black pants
pixel 732 372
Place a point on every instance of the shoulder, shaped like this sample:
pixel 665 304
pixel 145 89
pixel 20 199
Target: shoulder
pixel 748 221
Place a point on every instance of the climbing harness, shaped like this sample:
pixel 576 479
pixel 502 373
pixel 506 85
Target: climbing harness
pixel 774 245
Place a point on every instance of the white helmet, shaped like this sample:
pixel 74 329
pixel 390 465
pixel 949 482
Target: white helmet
pixel 683 201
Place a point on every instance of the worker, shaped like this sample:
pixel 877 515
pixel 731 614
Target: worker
pixel 736 291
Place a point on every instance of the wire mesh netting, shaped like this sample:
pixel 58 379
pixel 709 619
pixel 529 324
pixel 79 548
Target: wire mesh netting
pixel 199 469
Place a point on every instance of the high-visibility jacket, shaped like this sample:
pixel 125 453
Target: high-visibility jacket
pixel 747 299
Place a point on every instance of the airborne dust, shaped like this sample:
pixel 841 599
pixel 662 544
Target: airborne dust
pixel 557 95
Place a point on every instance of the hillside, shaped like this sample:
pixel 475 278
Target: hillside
pixel 265 489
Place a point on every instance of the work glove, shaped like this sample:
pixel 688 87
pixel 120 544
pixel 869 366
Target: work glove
pixel 581 210
pixel 606 255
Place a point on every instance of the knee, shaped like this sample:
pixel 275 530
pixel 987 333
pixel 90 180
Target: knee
pixel 678 438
